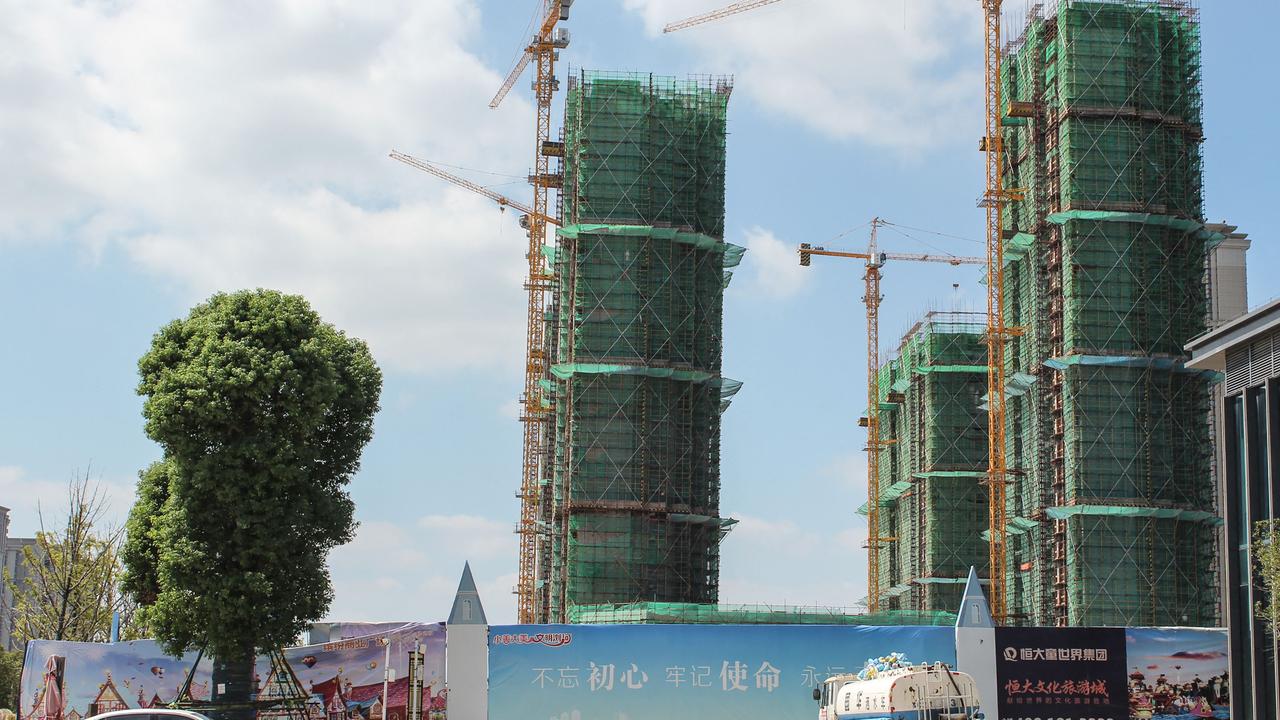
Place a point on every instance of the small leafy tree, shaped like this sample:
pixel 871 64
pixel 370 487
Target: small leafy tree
pixel 262 410
pixel 1266 558
pixel 10 676
pixel 73 573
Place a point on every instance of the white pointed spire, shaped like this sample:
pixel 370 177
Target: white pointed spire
pixel 974 610
pixel 467 609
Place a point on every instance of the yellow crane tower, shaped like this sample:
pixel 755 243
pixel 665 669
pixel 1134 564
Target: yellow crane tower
pixel 871 298
pixel 993 199
pixel 542 52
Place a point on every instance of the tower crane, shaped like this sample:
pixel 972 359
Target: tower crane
pixel 994 197
pixel 541 52
pixel 503 201
pixel 874 260
pixel 993 200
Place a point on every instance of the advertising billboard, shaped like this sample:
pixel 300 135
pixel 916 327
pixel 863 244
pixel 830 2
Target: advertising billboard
pixel 343 679
pixel 1112 673
pixel 711 672
pixel 1072 674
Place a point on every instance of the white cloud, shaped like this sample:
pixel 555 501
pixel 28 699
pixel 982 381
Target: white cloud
pixel 394 571
pixel 775 266
pixel 224 146
pixel 849 471
pixel 779 562
pixel 31 498
pixel 896 74
pixel 477 537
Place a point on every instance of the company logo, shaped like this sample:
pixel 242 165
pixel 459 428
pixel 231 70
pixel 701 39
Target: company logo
pixel 549 639
pixel 1056 654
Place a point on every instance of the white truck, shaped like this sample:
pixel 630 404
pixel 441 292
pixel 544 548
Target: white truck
pixel 910 692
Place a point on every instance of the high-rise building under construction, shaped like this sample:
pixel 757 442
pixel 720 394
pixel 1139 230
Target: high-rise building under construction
pixel 1111 499
pixel 932 505
pixel 630 505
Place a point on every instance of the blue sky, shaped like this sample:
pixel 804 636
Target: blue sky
pixel 159 153
pixel 1180 654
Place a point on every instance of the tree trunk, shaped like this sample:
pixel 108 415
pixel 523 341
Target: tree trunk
pixel 234 688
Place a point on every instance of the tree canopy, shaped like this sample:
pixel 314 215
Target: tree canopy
pixel 262 410
pixel 10 676
pixel 1266 558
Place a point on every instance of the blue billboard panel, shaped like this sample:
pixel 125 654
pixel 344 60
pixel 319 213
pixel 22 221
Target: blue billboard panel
pixel 711 672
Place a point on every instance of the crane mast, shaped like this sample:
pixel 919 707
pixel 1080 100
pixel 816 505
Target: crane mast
pixel 872 298
pixel 993 201
pixel 537 412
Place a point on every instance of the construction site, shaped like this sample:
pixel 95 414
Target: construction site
pixel 1056 443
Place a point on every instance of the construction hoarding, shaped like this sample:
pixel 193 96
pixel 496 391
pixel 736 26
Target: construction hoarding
pixel 340 680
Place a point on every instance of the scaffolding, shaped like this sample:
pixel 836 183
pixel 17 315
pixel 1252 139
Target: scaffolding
pixel 932 503
pixel 1111 493
pixel 631 505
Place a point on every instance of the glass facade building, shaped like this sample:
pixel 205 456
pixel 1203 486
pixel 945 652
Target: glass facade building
pixel 1246 352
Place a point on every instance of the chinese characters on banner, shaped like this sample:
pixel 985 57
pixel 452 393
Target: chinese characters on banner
pixel 1068 673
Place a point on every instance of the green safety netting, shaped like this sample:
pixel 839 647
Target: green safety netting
pixel 1104 277
pixel 931 500
pixel 1158 363
pixel 564 371
pixel 925 370
pixel 1177 223
pixel 630 505
pixel 732 253
pixel 1064 512
pixel 893 492
pixel 1015 526
pixel 645 150
pixel 1018 246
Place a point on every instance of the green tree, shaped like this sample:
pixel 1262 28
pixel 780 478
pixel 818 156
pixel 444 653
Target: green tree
pixel 71 589
pixel 10 676
pixel 262 410
pixel 1266 557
